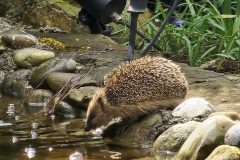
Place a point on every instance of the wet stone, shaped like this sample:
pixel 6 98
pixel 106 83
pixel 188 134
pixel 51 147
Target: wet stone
pixel 65 110
pixel 56 80
pixel 18 39
pixel 16 83
pixel 29 57
pixel 38 99
pixel 81 97
pixel 52 65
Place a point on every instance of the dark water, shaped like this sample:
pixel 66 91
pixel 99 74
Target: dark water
pixel 26 133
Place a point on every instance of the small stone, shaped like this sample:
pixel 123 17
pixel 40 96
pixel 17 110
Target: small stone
pixel 52 65
pixel 81 97
pixel 56 80
pixel 29 57
pixel 18 39
pixel 64 110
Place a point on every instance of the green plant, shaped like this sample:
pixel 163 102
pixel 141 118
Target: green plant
pixel 211 31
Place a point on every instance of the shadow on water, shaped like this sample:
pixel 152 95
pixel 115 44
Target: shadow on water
pixel 28 134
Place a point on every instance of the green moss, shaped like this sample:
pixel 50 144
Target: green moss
pixel 70 7
pixel 52 42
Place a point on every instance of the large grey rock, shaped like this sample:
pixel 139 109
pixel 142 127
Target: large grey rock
pixel 140 134
pixel 81 97
pixel 56 80
pixel 225 152
pixel 173 138
pixel 52 65
pixel 16 83
pixel 62 15
pixel 193 107
pixel 29 57
pixel 209 134
pixel 18 39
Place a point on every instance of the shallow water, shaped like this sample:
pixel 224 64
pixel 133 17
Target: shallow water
pixel 25 133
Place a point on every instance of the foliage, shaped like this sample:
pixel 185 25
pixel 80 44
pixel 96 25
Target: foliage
pixel 211 31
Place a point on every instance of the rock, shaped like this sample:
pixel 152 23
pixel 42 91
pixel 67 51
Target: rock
pixel 6 62
pixel 81 97
pixel 193 107
pixel 29 57
pixel 232 136
pixel 225 152
pixel 56 80
pixel 52 65
pixel 231 114
pixel 173 138
pixel 16 83
pixel 18 39
pixel 209 134
pixel 65 110
pixel 140 134
pixel 2 75
pixel 76 128
pixel 4 24
pixel 39 97
pixel 37 100
pixel 61 12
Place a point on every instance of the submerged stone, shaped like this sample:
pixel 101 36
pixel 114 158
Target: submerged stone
pixel 38 98
pixel 65 110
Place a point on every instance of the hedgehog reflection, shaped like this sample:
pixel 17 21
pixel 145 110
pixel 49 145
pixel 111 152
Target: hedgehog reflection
pixel 134 90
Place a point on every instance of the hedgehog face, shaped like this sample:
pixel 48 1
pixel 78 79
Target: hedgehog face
pixel 97 115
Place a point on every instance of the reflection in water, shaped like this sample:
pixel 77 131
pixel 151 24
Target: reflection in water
pixel 25 132
pixel 76 156
pixel 31 152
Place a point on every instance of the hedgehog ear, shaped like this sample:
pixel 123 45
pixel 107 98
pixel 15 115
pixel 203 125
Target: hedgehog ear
pixel 100 104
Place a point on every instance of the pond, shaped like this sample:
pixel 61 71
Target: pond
pixel 26 133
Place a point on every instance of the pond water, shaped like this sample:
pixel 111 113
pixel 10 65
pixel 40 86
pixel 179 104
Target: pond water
pixel 26 133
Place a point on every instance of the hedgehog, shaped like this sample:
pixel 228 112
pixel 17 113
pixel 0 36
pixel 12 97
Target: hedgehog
pixel 134 90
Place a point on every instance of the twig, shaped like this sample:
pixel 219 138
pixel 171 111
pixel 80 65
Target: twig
pixel 62 93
